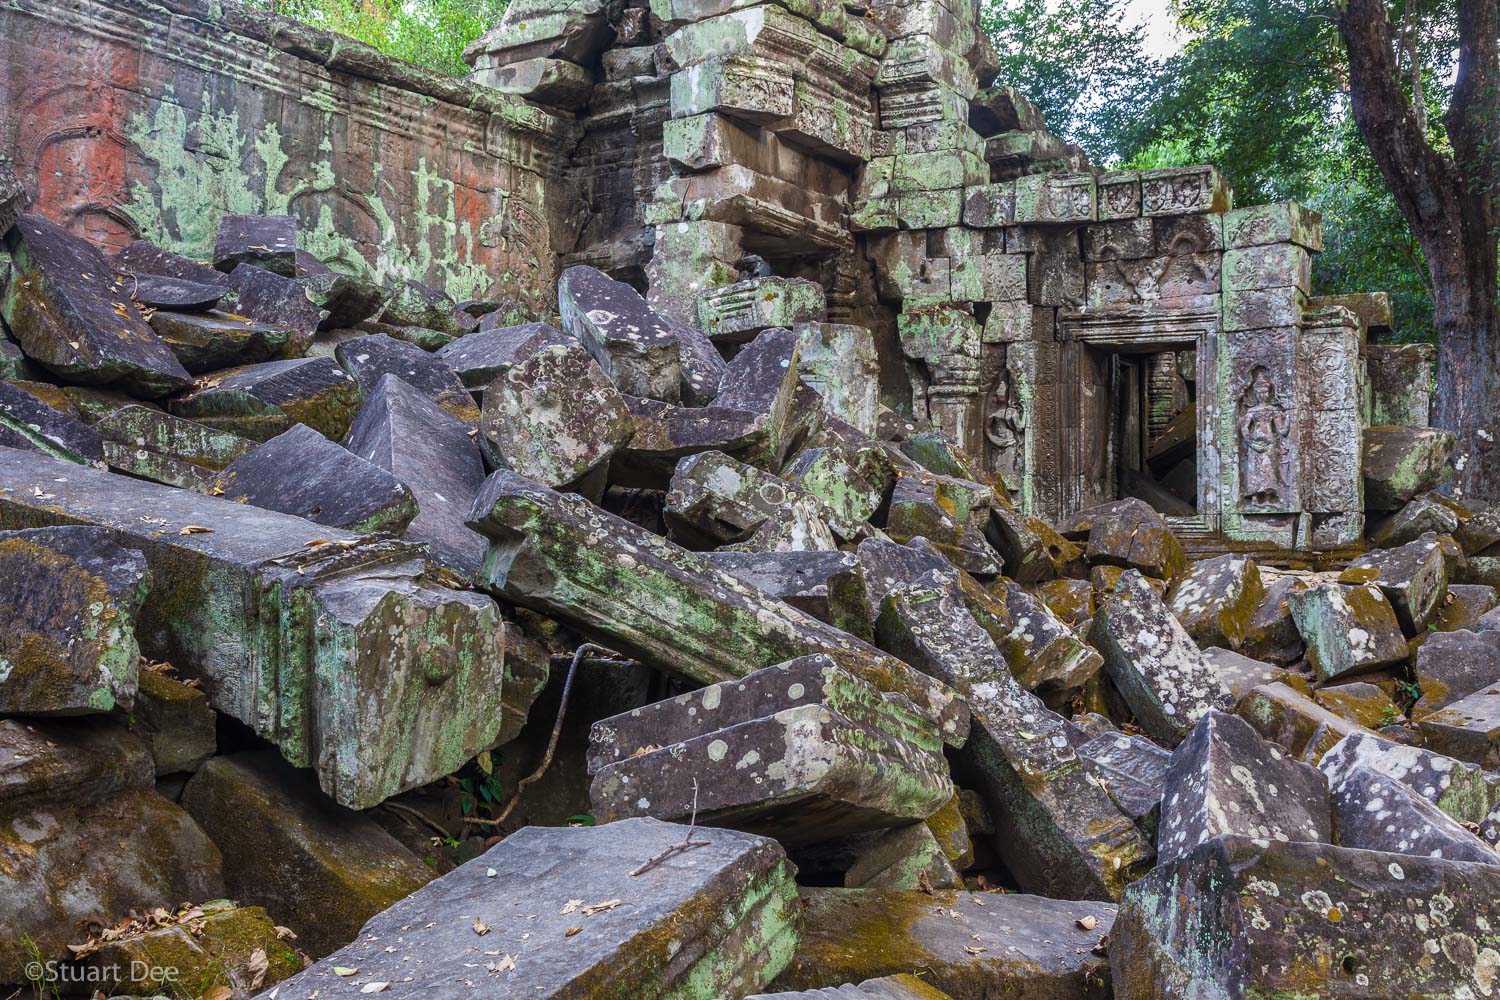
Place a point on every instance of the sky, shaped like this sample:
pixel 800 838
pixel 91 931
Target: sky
pixel 1162 39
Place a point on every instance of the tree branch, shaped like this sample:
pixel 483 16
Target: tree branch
pixel 1418 176
pixel 1473 117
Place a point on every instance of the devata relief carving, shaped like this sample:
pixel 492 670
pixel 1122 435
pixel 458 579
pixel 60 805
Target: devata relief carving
pixel 1005 430
pixel 1263 428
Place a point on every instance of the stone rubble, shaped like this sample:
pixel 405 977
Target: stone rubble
pixel 768 600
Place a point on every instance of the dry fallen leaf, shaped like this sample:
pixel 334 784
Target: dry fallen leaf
pixel 572 930
pixel 285 933
pixel 374 987
pixel 505 964
pixel 481 928
pixel 344 972
pixel 218 993
pixel 195 529
pixel 1089 922
pixel 258 966
pixel 973 949
pixel 608 904
pixel 572 905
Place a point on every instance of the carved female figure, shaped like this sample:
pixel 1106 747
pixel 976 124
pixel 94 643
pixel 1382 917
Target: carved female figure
pixel 1005 430
pixel 1263 427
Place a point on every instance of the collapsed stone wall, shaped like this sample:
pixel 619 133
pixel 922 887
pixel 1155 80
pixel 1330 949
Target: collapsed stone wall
pixel 147 120
pixel 1087 335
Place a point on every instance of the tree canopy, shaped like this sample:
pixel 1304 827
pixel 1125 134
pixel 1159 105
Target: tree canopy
pixel 431 33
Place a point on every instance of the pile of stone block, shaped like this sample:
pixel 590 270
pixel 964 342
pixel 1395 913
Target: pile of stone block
pixel 300 571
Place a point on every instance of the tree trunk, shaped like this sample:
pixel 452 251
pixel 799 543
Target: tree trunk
pixel 1450 203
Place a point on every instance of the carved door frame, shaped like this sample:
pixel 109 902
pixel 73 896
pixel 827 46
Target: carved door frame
pixel 1135 330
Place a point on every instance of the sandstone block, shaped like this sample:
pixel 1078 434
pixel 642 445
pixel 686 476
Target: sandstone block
pixel 314 865
pixel 636 347
pixel 803 752
pixel 175 722
pixel 208 341
pixel 1216 600
pixel 237 592
pixel 369 359
pixel 430 452
pixel 1057 829
pixel 1282 908
pixel 1154 663
pixel 660 603
pixel 67 621
pixel 967 945
pixel 260 401
pixel 301 472
pixel 1454 665
pixel 1400 462
pixel 555 417
pixel 654 943
pixel 65 293
pixel 480 358
pixel 1225 779
pixel 268 241
pixel 1413 577
pixel 1348 629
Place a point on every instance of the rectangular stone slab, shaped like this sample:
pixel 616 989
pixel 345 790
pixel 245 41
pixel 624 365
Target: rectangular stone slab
pixel 369 359
pixel 260 401
pixel 972 946
pixel 331 645
pixel 1457 788
pixel 301 472
pixel 289 848
pixel 902 987
pixel 268 241
pixel 28 422
pixel 710 921
pixel 1375 812
pixel 67 621
pixel 803 775
pixel 636 347
pixel 72 312
pixel 80 761
pixel 653 600
pixel 1157 667
pixel 204 342
pixel 1256 918
pixel 808 680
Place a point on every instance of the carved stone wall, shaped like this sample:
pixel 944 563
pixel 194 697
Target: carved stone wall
pixel 1085 335
pixel 134 119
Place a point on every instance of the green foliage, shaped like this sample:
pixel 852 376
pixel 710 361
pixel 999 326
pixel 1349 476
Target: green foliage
pixel 431 33
pixel 1077 60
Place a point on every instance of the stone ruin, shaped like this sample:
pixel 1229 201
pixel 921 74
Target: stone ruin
pixel 721 504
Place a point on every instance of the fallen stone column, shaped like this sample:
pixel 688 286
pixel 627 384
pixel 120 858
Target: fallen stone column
pixel 560 913
pixel 657 602
pixel 331 645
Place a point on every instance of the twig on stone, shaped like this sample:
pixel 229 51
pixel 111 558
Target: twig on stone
pixel 418 814
pixel 685 844
pixel 562 709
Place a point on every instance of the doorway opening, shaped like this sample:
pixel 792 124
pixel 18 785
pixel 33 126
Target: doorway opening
pixel 1149 424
